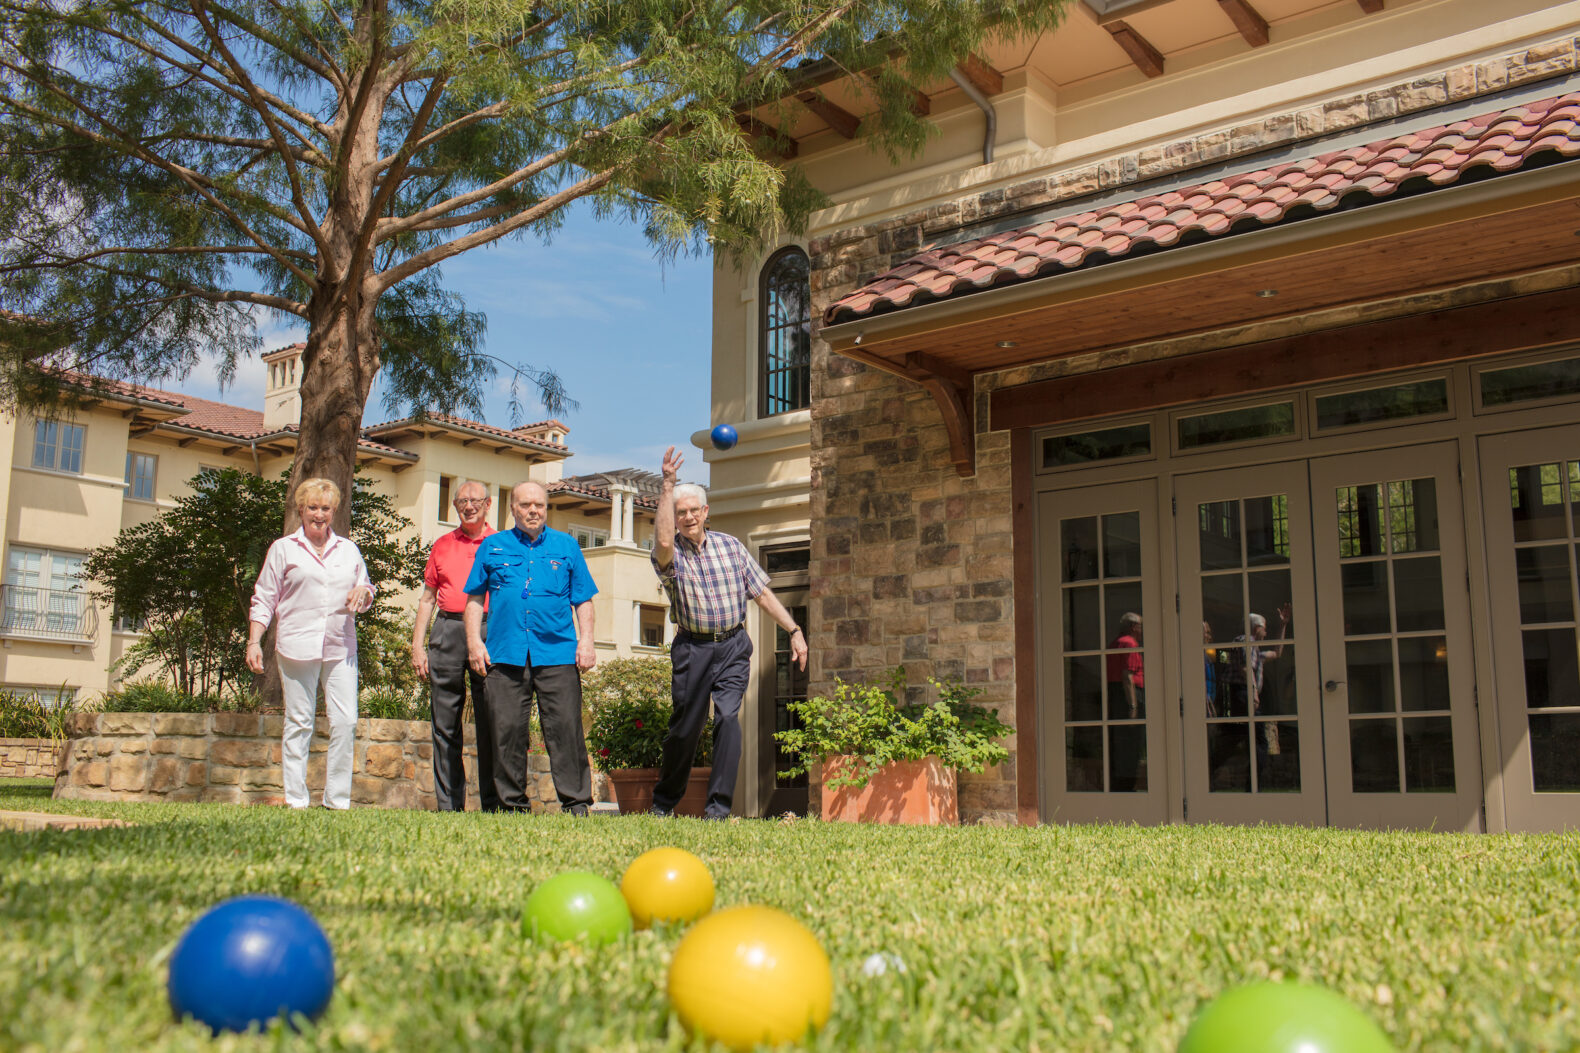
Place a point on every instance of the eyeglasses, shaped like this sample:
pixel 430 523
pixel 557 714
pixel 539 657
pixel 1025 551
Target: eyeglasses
pixel 470 502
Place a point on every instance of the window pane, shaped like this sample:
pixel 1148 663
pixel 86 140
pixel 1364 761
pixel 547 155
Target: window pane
pixel 71 436
pixel 1499 387
pixel 1555 753
pixel 1237 425
pixel 1545 590
pixel 1131 440
pixel 1536 496
pixel 785 333
pixel 45 441
pixel 1382 404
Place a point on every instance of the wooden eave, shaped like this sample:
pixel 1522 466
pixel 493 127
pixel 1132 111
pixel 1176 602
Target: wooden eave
pixel 1438 240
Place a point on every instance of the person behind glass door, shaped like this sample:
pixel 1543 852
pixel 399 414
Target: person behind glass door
pixel 1210 657
pixel 1249 674
pixel 315 583
pixel 1126 701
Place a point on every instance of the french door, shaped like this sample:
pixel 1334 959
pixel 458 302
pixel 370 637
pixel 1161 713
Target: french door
pixel 1100 613
pixel 1532 517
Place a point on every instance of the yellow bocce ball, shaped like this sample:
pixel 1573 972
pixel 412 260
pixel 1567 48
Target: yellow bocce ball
pixel 751 975
pixel 667 884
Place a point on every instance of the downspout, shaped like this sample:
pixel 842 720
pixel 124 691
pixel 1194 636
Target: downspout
pixel 991 131
pixel 257 465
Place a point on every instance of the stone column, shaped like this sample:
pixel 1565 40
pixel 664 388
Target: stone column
pixel 623 497
pixel 615 519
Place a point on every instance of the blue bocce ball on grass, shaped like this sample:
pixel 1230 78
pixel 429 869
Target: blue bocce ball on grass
pixel 249 960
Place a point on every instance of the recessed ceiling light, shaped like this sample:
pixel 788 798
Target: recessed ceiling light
pixel 1267 294
pixel 1006 344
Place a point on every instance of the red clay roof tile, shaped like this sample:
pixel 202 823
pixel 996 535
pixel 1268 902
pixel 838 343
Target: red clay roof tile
pixel 1504 140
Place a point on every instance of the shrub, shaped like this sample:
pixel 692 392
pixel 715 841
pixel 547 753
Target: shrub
pixel 155 696
pixel 865 723
pixel 618 679
pixel 388 703
pixel 629 733
pixel 23 715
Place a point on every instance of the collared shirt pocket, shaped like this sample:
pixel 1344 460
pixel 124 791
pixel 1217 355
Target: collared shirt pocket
pixel 555 572
pixel 507 573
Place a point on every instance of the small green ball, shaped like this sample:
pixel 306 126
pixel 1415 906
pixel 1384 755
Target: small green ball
pixel 576 905
pixel 1282 1018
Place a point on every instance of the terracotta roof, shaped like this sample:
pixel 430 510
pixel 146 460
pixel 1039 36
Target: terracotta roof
pixel 1491 144
pixel 462 423
pixel 90 382
pixel 596 485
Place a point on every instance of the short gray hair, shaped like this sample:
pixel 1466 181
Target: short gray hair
pixel 691 490
pixel 464 483
pixel 1258 622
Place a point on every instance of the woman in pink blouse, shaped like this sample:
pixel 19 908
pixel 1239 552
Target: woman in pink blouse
pixel 315 583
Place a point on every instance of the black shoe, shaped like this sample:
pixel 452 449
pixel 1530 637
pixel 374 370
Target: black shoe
pixel 710 817
pixel 661 811
pixel 577 809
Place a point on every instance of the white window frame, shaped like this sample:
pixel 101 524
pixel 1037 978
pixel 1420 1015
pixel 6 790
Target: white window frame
pixel 134 475
pixel 44 599
pixel 56 454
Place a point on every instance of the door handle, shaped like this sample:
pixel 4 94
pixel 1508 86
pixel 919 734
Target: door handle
pixel 1331 686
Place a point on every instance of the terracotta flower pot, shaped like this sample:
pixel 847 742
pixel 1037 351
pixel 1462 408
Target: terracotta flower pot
pixel 632 789
pixel 919 793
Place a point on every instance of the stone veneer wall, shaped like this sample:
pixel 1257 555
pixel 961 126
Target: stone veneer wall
pixel 235 758
pixel 29 758
pixel 914 565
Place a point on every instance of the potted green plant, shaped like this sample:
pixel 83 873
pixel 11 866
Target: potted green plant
pixel 625 740
pixel 887 761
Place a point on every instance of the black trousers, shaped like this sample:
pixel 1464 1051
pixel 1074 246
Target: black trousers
pixel 558 690
pixel 448 677
pixel 704 670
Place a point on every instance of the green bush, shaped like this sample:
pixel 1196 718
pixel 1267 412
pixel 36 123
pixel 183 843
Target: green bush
pixel 629 733
pixel 23 715
pixel 155 696
pixel 390 703
pixel 867 724
pixel 617 679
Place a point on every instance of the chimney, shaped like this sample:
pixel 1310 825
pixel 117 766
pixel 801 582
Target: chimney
pixel 282 391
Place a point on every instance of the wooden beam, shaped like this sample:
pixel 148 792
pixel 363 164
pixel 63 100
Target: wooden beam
pixel 1498 327
pixel 228 450
pixel 1252 26
pixel 783 145
pixel 1146 57
pixel 398 468
pixel 139 432
pixel 470 442
pixel 954 393
pixel 983 77
pixel 1371 7
pixel 188 441
pixel 838 118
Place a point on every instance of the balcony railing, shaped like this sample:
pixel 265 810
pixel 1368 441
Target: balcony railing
pixel 47 614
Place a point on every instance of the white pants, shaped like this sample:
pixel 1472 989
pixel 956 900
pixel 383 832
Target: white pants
pixel 299 683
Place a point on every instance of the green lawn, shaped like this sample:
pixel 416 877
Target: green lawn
pixel 1047 939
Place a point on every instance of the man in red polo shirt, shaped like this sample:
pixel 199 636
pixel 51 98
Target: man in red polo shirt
pixel 443 659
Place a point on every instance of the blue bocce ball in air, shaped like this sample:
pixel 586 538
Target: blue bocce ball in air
pixel 724 436
pixel 249 960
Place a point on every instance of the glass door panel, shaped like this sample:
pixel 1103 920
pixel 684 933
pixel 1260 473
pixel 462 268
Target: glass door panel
pixel 1252 742
pixel 1531 483
pixel 1395 640
pixel 1100 731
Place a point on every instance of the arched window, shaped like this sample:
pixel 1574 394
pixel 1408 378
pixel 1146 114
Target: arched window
pixel 785 334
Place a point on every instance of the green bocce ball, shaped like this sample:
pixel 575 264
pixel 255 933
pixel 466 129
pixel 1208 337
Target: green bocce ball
pixel 1282 1018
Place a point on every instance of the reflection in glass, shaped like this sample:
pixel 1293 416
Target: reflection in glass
pixel 1079 545
pixel 1398 401
pixel 1545 589
pixel 1365 587
pixel 1536 493
pixel 1122 545
pixel 1229 758
pixel 1428 755
pixel 1555 752
pixel 1121 599
pixel 1369 667
pixel 1223 606
pixel 1127 752
pixel 1083 621
pixel 1128 440
pixel 1218 526
pixel 1083 688
pixel 1267 530
pixel 1278 758
pixel 1423 673
pixel 1271 593
pixel 1360 520
pixel 1540 380
pixel 1237 425
pixel 1412 515
pixel 1234 692
pixel 1278 695
pixel 1374 756
pixel 1083 759
pixel 1418 593
pixel 1552 668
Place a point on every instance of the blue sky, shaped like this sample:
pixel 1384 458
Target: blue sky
pixel 630 337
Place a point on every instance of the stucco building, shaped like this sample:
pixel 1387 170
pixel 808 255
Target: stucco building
pixel 70 484
pixel 1257 319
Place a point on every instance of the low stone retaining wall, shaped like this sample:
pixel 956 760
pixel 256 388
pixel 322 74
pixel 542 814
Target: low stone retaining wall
pixel 30 758
pixel 235 758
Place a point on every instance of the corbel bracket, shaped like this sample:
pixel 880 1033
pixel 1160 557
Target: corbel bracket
pixel 953 391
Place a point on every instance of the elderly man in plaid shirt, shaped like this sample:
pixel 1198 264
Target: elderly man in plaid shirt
pixel 709 576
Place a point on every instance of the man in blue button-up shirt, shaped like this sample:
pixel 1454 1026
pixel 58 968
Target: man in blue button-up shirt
pixel 540 640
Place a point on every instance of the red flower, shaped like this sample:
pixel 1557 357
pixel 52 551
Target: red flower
pixel 604 752
pixel 638 723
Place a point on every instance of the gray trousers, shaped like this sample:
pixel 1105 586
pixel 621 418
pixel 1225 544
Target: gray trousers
pixel 558 689
pixel 704 671
pixel 448 677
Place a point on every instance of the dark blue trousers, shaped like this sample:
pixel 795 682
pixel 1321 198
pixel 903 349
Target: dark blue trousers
pixel 705 670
